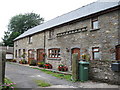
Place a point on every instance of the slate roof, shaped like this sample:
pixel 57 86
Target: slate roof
pixel 89 9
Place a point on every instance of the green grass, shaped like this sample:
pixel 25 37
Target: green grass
pixel 42 83
pixel 55 74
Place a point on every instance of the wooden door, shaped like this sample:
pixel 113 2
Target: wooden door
pixel 76 50
pixel 40 55
pixel 30 55
pixel 118 52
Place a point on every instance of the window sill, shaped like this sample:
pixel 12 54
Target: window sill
pixel 54 59
pixel 30 43
pixel 94 29
pixel 50 38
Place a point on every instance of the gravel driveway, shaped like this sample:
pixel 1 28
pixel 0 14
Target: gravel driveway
pixel 24 77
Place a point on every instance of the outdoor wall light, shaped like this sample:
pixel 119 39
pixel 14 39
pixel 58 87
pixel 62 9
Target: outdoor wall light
pixel 67 50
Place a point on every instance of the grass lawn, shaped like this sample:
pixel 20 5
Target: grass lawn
pixel 42 83
pixel 58 75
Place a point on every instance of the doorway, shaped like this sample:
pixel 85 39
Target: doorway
pixel 30 55
pixel 40 55
pixel 118 52
pixel 76 50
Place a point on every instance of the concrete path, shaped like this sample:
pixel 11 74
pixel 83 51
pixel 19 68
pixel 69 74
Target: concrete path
pixel 24 77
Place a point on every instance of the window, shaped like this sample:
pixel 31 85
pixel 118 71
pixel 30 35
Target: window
pixel 15 53
pixel 30 39
pixel 23 53
pixel 96 53
pixel 95 23
pixel 54 53
pixel 51 34
pixel 31 53
pixel 19 53
pixel 16 43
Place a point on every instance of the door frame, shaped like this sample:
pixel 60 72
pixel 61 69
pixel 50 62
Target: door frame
pixel 72 50
pixel 118 46
pixel 43 52
pixel 28 55
pixel 71 54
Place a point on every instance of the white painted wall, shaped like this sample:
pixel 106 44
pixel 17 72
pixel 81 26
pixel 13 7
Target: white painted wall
pixel 9 56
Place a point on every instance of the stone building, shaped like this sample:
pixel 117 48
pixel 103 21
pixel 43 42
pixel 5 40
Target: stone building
pixel 92 29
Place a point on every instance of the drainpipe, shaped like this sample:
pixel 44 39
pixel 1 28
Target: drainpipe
pixel 44 44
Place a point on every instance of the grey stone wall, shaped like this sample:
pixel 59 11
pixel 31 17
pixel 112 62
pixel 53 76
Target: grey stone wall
pixel 37 43
pixel 101 71
pixel 106 37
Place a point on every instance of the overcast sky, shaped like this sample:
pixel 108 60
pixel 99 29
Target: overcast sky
pixel 47 9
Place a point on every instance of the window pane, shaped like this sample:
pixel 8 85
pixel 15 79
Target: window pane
pixel 58 55
pixel 96 49
pixel 50 51
pixel 95 25
pixel 96 55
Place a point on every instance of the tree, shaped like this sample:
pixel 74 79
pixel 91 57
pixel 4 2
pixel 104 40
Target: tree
pixel 19 24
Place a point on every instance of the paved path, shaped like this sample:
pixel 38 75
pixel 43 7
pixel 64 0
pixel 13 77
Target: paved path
pixel 24 77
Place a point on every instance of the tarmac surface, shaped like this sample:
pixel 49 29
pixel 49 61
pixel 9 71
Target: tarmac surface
pixel 24 77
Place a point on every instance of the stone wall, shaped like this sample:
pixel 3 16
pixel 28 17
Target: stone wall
pixel 37 43
pixel 101 71
pixel 106 38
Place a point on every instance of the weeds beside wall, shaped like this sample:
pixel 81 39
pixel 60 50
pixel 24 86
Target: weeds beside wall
pixel 100 70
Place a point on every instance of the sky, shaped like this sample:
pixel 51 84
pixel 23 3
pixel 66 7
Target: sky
pixel 48 9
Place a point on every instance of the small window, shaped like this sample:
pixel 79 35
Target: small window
pixel 23 53
pixel 54 53
pixel 15 53
pixel 19 53
pixel 31 53
pixel 51 34
pixel 30 39
pixel 95 23
pixel 96 53
pixel 16 43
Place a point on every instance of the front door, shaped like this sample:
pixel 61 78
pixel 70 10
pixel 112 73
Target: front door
pixel 118 52
pixel 40 55
pixel 30 55
pixel 76 50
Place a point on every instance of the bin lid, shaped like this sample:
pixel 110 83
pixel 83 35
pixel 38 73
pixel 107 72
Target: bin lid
pixel 81 62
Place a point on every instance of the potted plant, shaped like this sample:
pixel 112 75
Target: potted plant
pixel 85 57
pixel 48 66
pixel 20 62
pixel 40 64
pixel 62 67
pixel 14 60
pixel 65 68
pixel 33 62
pixel 24 61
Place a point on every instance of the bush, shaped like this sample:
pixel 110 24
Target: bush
pixel 23 61
pixel 33 63
pixel 48 65
pixel 40 64
pixel 14 60
pixel 61 67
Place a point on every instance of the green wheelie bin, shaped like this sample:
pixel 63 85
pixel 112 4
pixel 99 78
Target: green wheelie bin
pixel 83 70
